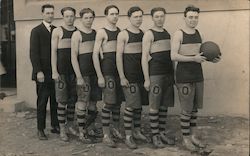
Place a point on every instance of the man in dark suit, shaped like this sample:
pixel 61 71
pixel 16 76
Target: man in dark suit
pixel 40 55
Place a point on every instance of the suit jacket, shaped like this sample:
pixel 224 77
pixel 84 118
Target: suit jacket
pixel 40 52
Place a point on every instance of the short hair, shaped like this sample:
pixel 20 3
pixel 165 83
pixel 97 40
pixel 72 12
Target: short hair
pixel 106 10
pixel 86 10
pixel 68 8
pixel 46 6
pixel 134 9
pixel 157 9
pixel 191 8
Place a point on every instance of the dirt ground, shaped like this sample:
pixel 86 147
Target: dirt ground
pixel 224 135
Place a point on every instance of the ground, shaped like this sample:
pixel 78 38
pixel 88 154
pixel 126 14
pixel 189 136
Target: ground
pixel 224 135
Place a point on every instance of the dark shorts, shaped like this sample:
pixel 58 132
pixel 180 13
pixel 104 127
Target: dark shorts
pixel 190 95
pixel 135 95
pixel 112 92
pixel 65 88
pixel 161 91
pixel 90 91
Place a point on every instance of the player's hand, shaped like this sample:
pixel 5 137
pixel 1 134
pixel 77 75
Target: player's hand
pixel 217 59
pixel 147 85
pixel 124 82
pixel 199 58
pixel 55 76
pixel 101 82
pixel 40 76
pixel 80 81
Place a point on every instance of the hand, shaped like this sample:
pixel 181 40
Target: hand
pixel 147 85
pixel 80 81
pixel 199 58
pixel 101 82
pixel 124 82
pixel 40 76
pixel 217 59
pixel 55 75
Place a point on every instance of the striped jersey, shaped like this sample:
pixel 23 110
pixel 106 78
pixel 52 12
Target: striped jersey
pixel 64 65
pixel 187 72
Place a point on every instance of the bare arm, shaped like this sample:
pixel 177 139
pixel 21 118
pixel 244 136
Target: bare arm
pixel 146 44
pixel 75 42
pixel 175 46
pixel 54 46
pixel 121 41
pixel 100 36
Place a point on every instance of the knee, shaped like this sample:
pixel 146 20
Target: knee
pixel 81 105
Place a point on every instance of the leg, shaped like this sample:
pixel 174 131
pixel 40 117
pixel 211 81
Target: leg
pixel 61 98
pixel 155 96
pixel 186 95
pixel 42 99
pixel 198 102
pixel 53 109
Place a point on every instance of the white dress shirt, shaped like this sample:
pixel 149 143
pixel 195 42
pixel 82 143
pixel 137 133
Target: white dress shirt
pixel 47 25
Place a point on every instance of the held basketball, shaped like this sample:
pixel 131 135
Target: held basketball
pixel 210 50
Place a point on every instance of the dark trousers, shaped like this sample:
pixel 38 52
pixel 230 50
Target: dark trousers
pixel 45 91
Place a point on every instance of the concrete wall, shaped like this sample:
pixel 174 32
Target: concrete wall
pixel 226 83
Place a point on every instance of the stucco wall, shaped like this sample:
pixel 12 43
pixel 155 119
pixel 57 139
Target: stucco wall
pixel 226 83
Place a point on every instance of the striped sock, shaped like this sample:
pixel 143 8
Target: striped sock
pixel 185 123
pixel 162 119
pixel 193 121
pixel 116 116
pixel 154 121
pixel 106 119
pixel 61 114
pixel 81 119
pixel 137 119
pixel 70 112
pixel 128 117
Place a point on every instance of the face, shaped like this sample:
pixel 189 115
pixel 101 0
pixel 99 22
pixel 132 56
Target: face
pixel 191 19
pixel 136 19
pixel 48 14
pixel 112 16
pixel 159 18
pixel 69 17
pixel 87 19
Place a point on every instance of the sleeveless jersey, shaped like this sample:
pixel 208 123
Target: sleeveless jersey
pixel 108 63
pixel 64 65
pixel 160 52
pixel 187 72
pixel 85 53
pixel 132 57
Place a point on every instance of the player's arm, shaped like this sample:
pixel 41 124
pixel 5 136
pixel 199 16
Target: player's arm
pixel 121 42
pixel 54 46
pixel 175 46
pixel 100 36
pixel 75 43
pixel 146 45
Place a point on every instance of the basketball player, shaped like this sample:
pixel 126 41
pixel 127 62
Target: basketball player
pixel 158 75
pixel 108 79
pixel 185 49
pixel 63 73
pixel 129 52
pixel 88 92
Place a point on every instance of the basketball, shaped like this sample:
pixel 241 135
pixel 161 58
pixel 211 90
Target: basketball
pixel 210 50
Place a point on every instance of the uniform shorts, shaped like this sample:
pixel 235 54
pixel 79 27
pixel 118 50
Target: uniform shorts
pixel 191 95
pixel 161 91
pixel 135 95
pixel 90 91
pixel 65 88
pixel 112 93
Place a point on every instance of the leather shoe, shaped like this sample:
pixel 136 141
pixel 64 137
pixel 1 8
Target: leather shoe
pixel 55 130
pixel 41 135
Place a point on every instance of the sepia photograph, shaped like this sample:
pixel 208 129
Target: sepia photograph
pixel 124 77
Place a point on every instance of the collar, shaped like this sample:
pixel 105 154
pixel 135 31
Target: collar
pixel 47 25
